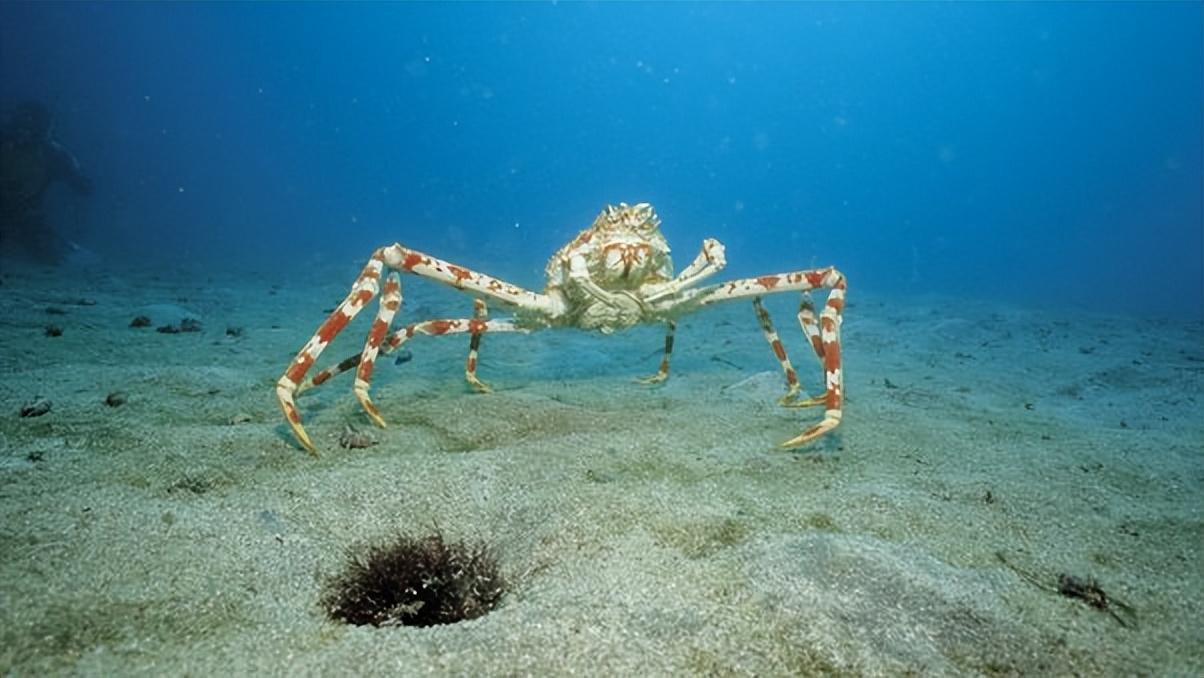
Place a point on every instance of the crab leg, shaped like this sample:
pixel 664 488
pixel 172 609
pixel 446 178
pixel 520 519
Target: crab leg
pixel 476 326
pixel 390 301
pixel 429 327
pixel 806 320
pixel 828 347
pixel 400 259
pixel 411 261
pixel 710 260
pixel 399 337
pixel 663 372
pixel 362 291
pixel 779 351
pixel 386 345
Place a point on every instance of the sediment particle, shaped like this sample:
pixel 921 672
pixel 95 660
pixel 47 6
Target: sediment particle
pixel 36 407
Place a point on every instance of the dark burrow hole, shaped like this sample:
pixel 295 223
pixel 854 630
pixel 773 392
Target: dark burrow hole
pixel 415 581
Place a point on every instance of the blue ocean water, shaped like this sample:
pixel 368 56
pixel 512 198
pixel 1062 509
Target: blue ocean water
pixel 1039 153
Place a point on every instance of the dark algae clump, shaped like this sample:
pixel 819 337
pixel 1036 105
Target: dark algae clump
pixel 410 581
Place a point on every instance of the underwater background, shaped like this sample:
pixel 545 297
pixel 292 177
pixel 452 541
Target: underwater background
pixel 1013 190
pixel 1040 153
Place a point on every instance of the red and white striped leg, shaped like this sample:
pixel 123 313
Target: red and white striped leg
pixel 828 346
pixel 406 260
pixel 399 337
pixel 662 373
pixel 365 287
pixel 400 259
pixel 391 343
pixel 480 315
pixel 390 301
pixel 779 351
pixel 829 329
pixel 806 320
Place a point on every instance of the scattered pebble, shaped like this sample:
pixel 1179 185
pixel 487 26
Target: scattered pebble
pixel 140 321
pixel 233 331
pixel 240 418
pixel 115 399
pixel 55 310
pixel 54 331
pixel 403 356
pixel 186 325
pixel 36 407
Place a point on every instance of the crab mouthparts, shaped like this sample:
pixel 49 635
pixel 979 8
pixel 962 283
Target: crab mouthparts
pixel 628 255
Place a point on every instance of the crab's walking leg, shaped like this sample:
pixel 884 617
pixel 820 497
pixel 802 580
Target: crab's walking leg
pixel 411 261
pixel 710 260
pixel 477 327
pixel 404 260
pixel 390 301
pixel 806 320
pixel 365 287
pixel 779 351
pixel 829 328
pixel 662 373
pixel 399 337
pixel 829 331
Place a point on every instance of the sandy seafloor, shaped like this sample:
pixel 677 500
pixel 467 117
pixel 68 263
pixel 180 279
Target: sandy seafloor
pixel 644 531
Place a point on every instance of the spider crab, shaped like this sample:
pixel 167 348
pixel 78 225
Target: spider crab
pixel 615 274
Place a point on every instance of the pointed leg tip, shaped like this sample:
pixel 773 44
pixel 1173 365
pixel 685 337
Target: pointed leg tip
pixel 303 438
pixel 361 394
pixel 284 393
pixel 792 400
pixel 479 386
pixel 815 432
pixel 793 444
pixel 805 438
